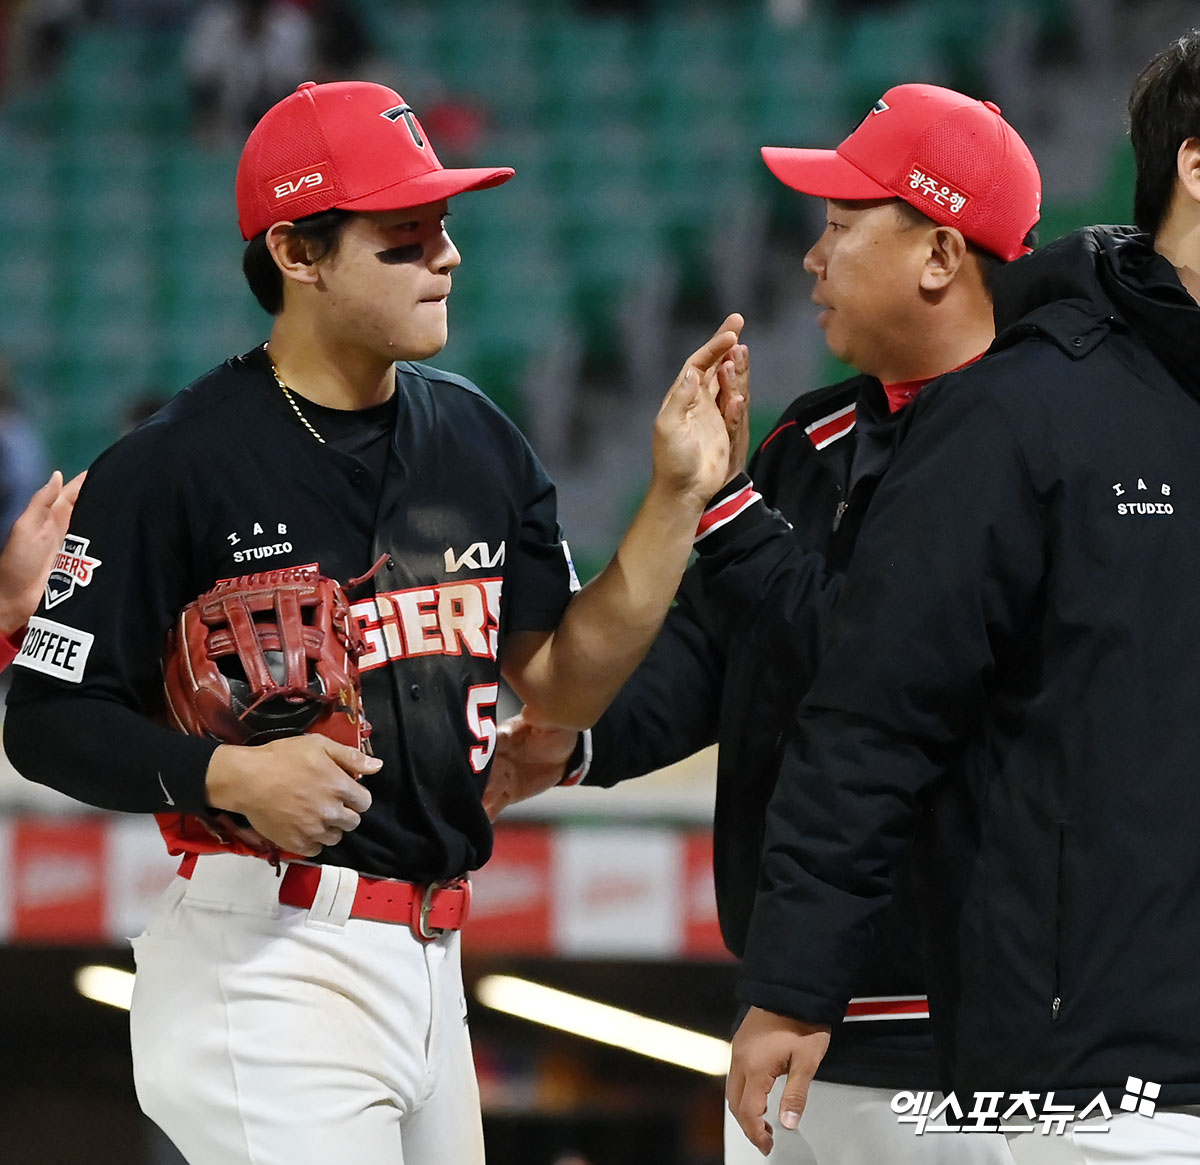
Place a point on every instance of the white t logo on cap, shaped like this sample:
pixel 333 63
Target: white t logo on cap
pixel 406 112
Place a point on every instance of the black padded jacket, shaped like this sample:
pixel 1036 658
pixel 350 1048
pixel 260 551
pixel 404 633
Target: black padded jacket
pixel 1012 679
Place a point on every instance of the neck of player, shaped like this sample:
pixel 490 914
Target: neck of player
pixel 946 342
pixel 334 374
pixel 1178 240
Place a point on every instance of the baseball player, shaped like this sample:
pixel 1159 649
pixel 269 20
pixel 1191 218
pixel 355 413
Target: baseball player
pixel 312 1010
pixel 33 546
pixel 1011 691
pixel 924 200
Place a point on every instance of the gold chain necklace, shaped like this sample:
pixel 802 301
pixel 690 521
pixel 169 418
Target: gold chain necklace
pixel 291 399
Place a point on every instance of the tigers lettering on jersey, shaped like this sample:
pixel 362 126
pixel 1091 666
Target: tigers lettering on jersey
pixel 444 619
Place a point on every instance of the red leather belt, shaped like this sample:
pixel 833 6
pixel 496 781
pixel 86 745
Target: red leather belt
pixel 427 910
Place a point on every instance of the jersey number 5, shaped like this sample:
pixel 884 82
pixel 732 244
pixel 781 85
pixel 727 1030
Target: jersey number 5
pixel 483 728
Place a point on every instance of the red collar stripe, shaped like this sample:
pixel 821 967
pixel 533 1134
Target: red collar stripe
pixel 785 425
pixel 829 429
pixel 726 510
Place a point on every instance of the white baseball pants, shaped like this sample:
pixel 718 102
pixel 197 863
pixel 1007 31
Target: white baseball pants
pixel 844 1124
pixel 270 1035
pixel 1169 1137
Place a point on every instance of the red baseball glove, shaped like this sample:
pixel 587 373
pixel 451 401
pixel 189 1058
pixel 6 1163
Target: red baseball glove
pixel 267 655
pixel 256 658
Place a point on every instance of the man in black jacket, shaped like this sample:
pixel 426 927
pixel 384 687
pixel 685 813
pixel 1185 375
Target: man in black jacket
pixel 931 193
pixel 1012 680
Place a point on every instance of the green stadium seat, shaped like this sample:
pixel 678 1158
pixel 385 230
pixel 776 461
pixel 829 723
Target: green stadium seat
pixel 589 72
pixel 629 138
pixel 887 47
pixel 487 55
pixel 698 67
pixel 197 189
pixel 794 89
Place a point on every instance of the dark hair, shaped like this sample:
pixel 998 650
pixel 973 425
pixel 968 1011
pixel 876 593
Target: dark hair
pixel 321 231
pixel 1164 111
pixel 988 262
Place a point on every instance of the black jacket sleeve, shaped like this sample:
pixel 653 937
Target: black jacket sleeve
pixel 755 561
pixel 87 724
pixel 751 578
pixel 669 708
pixel 947 565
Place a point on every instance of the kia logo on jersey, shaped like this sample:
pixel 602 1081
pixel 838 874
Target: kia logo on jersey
pixel 72 567
pixel 477 556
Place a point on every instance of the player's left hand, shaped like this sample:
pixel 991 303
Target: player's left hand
pixel 733 399
pixel 691 445
pixel 28 557
pixel 767 1046
pixel 530 758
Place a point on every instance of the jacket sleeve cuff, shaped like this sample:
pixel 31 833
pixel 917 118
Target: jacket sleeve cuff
pixel 810 979
pixel 739 506
pixel 796 1004
pixel 580 761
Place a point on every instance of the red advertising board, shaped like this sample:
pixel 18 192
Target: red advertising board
pixel 58 887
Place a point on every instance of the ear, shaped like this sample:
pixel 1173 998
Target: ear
pixel 946 254
pixel 1187 163
pixel 291 254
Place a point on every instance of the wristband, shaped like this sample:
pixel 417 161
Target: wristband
pixel 580 760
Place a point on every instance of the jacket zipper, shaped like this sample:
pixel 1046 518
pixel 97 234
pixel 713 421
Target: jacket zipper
pixel 842 505
pixel 1059 910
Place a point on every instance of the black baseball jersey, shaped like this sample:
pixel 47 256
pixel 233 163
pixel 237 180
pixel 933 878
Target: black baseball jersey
pixel 227 480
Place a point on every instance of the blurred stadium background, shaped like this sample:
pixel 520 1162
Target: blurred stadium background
pixel 640 215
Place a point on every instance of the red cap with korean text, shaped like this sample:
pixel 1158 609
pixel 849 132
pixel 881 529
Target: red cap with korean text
pixel 350 145
pixel 953 158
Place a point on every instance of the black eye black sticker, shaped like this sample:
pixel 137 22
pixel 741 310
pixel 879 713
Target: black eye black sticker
pixel 409 253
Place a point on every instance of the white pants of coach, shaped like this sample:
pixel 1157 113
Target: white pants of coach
pixel 844 1124
pixel 270 1035
pixel 1169 1137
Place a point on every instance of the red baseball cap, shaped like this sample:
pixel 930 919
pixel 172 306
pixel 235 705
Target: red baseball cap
pixel 351 145
pixel 953 158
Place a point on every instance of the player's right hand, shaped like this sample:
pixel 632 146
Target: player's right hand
pixel 529 760
pixel 302 792
pixel 765 1047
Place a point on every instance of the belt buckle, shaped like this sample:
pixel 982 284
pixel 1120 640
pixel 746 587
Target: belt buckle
pixel 420 920
pixel 422 909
